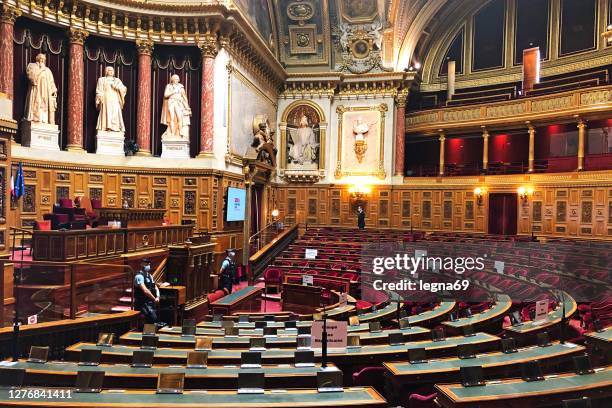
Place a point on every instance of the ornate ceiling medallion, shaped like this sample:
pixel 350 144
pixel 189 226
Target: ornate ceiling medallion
pixel 300 11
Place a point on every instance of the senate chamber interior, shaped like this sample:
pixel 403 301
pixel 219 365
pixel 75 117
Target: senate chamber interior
pixel 306 203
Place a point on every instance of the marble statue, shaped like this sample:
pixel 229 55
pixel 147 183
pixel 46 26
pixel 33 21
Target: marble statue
pixel 176 112
pixel 41 100
pixel 110 98
pixel 304 148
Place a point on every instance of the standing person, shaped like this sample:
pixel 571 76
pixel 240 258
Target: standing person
pixel 228 271
pixel 360 218
pixel 146 292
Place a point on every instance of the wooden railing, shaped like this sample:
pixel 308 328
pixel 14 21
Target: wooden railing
pixel 517 111
pixel 264 256
pixel 78 245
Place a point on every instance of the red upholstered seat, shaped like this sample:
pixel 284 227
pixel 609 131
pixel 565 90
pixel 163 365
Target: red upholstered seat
pixel 43 225
pixel 272 278
pixel 362 305
pixel 65 203
pixel 422 401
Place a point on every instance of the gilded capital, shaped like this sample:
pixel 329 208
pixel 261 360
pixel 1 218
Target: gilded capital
pixel 144 47
pixel 208 45
pixel 9 13
pixel 77 36
pixel 402 95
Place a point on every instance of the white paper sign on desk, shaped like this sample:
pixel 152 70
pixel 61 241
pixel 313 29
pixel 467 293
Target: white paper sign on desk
pixel 311 253
pixel 541 310
pixel 499 266
pixel 336 334
pixel 307 280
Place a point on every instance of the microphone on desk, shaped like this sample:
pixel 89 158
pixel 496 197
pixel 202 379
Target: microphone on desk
pixel 324 342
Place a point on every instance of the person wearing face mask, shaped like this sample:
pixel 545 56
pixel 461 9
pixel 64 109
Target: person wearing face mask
pixel 146 292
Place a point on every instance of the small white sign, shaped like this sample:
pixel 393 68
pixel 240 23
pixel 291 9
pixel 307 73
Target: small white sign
pixel 336 334
pixel 541 310
pixel 420 253
pixel 311 253
pixel 33 319
pixel 343 299
pixel 307 280
pixel 499 266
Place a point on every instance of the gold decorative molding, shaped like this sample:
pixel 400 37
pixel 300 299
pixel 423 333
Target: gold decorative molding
pixel 144 47
pixel 514 112
pixel 77 36
pixel 9 13
pixel 208 45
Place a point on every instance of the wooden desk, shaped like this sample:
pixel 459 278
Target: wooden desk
pixel 80 245
pixel 63 374
pixel 245 300
pixel 363 396
pixel 132 217
pixel 300 298
pixel 172 304
pixel 601 344
pixel 520 394
pixel 495 365
pixel 285 338
pixel 366 354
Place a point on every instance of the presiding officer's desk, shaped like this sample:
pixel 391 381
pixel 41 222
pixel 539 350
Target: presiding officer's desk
pixel 63 374
pixel 369 354
pixel 287 340
pixel 495 365
pixel 522 394
pixel 351 397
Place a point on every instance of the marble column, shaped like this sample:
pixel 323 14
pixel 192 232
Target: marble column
pixel 143 106
pixel 531 130
pixel 7 24
pixel 485 148
pixel 400 130
pixel 209 48
pixel 442 138
pixel 581 135
pixel 76 89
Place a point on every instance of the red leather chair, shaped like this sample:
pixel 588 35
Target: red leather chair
pixel 422 401
pixel 272 279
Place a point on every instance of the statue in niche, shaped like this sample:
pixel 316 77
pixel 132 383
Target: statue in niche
pixel 41 100
pixel 110 98
pixel 176 113
pixel 303 148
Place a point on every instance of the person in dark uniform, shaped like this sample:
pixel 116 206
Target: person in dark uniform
pixel 360 218
pixel 146 292
pixel 227 272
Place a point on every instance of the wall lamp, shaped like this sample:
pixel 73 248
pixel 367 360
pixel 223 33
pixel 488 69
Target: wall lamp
pixel 275 213
pixel 359 192
pixel 524 193
pixel 479 194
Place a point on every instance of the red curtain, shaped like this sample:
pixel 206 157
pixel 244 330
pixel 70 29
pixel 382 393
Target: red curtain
pixel 503 213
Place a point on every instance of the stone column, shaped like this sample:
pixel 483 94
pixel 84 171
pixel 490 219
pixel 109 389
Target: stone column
pixel 76 89
pixel 485 148
pixel 400 133
pixel 442 138
pixel 581 134
pixel 7 24
pixel 209 48
pixel 143 107
pixel 531 145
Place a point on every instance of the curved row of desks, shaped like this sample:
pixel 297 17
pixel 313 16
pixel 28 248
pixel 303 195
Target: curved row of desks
pixel 378 353
pixel 288 339
pixel 365 396
pixel 63 373
pixel 519 393
pixel 495 364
